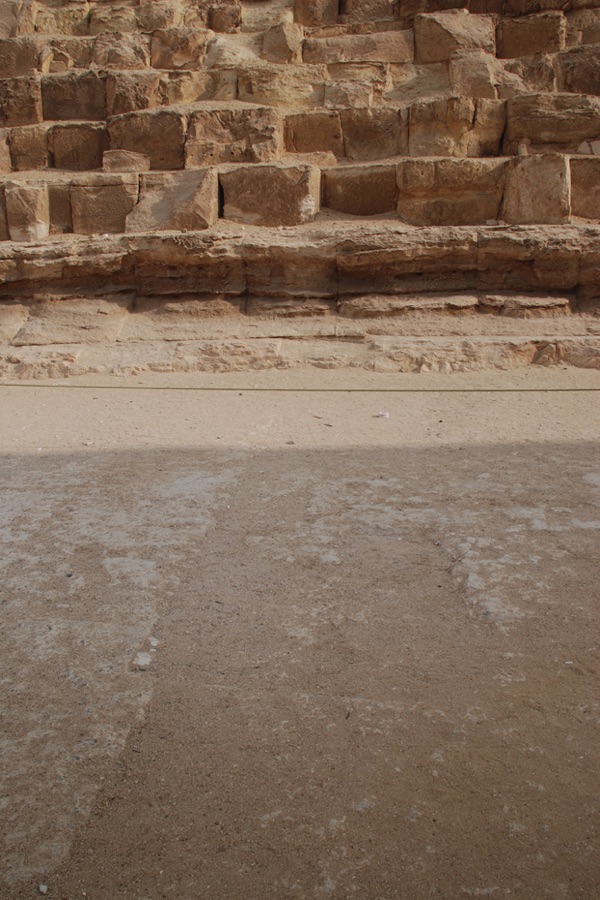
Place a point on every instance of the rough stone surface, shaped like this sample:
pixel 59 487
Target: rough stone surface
pixel 183 201
pixel 271 195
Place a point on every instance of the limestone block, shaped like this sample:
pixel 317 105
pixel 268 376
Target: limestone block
pixel 159 134
pixel 29 147
pixel 225 17
pixel 450 191
pixel 473 74
pixel 124 161
pixel 4 235
pixel 72 52
pixel 385 46
pixel 257 15
pixel 361 190
pixel 457 126
pixel 179 48
pixel 537 190
pixel 190 87
pixel 558 122
pixel 541 33
pixel 314 132
pixel 130 91
pixel 153 15
pixel 374 133
pixel 27 211
pixel 5 161
pixel 74 95
pixel 115 17
pixel 20 101
pixel 184 201
pixel 103 206
pixel 233 135
pixel 271 195
pixel 121 51
pixel 59 199
pixel 585 188
pixel 347 93
pixel 78 147
pixel 583 27
pixel 370 11
pixel 69 17
pixel 19 56
pixel 286 86
pixel 283 43
pixel 439 35
pixel 316 12
pixel 579 70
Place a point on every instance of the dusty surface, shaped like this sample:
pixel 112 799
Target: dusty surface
pixel 269 643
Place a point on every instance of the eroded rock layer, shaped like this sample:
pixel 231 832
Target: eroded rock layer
pixel 328 160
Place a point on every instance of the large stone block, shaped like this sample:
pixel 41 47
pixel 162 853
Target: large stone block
pixel 74 95
pixel 19 56
pixel 5 161
pixel 316 12
pixel 121 51
pixel 225 17
pixel 4 235
pixel 20 101
pixel 579 70
pixel 271 195
pixel 184 201
pixel 361 190
pixel 27 211
pixel 374 133
pixel 439 35
pixel 67 17
pixel 179 48
pixel 104 204
pixel 154 15
pixel 233 135
pixel 458 126
pixel 59 198
pixel 314 132
pixel 283 43
pixel 285 86
pixel 385 46
pixel 77 147
pixel 29 147
pixel 450 191
pixel 541 33
pixel 559 122
pixel 131 91
pixel 369 11
pixel 537 191
pixel 124 161
pixel 585 188
pixel 159 134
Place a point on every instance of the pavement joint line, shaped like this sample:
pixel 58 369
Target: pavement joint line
pixel 248 390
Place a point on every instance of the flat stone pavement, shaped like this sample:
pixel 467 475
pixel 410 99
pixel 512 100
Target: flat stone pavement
pixel 301 635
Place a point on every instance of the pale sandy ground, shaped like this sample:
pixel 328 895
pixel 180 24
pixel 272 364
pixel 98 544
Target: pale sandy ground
pixel 259 641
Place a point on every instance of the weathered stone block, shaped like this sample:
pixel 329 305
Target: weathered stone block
pixel 450 191
pixel 473 74
pixel 124 161
pixel 271 195
pixel 131 91
pixel 20 101
pixel 374 133
pixel 184 201
pixel 579 70
pixel 585 188
pixel 27 211
pixel 29 147
pixel 5 162
pixel 19 56
pixel 59 199
pixel 458 126
pixel 154 15
pixel 77 147
pixel 551 122
pixel 179 48
pixel 541 33
pixel 439 35
pixel 369 11
pixel 286 86
pixel 4 235
pixel 348 93
pixel 233 135
pixel 314 132
pixel 115 17
pixel 159 134
pixel 537 191
pixel 74 95
pixel 583 27
pixel 121 51
pixel 316 12
pixel 104 205
pixel 361 190
pixel 385 46
pixel 225 17
pixel 283 43
pixel 69 17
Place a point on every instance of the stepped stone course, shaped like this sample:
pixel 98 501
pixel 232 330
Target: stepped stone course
pixel 330 161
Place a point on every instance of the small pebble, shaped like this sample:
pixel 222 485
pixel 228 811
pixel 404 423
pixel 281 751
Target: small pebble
pixel 43 888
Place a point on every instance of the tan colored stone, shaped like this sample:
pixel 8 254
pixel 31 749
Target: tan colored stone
pixel 4 235
pixel 27 211
pixel 374 133
pixel 458 126
pixel 283 86
pixel 103 206
pixel 361 190
pixel 537 191
pixel 583 27
pixel 159 134
pixel 20 101
pixel 439 35
pixel 386 46
pixel 314 132
pixel 540 33
pixel 225 17
pixel 450 191
pixel 74 95
pixel 125 161
pixel 179 48
pixel 69 17
pixel 153 15
pixel 184 201
pixel 585 188
pixel 557 122
pixel 78 146
pixel 114 17
pixel 271 195
pixel 579 70
pixel 59 199
pixel 233 135
pixel 76 50
pixel 18 56
pixel 5 162
pixel 121 51
pixel 131 91
pixel 370 11
pixel 283 44
pixel 29 147
pixel 316 12
pixel 473 74
pixel 348 93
